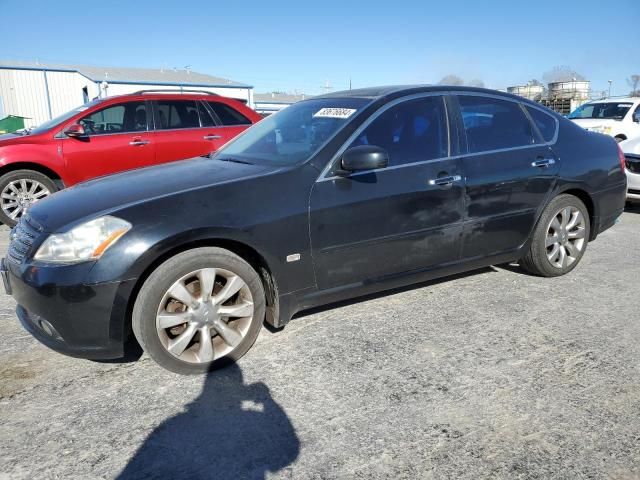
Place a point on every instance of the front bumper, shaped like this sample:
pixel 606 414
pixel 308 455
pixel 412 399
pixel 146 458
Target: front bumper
pixel 67 315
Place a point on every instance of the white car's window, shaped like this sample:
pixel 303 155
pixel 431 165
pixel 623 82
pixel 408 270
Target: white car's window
pixel 608 110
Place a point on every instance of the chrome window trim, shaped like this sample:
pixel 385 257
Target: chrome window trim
pixel 323 175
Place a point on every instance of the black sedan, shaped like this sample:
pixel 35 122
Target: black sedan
pixel 333 197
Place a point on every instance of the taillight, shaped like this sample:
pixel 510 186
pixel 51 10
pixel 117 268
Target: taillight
pixel 621 157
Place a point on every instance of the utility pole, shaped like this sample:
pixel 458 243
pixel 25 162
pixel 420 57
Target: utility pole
pixel 610 82
pixel 349 83
pixel 327 86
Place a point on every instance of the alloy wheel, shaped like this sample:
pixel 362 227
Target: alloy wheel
pixel 204 315
pixel 565 237
pixel 18 195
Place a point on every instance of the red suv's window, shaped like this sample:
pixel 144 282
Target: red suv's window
pixel 206 119
pixel 228 115
pixel 121 118
pixel 172 114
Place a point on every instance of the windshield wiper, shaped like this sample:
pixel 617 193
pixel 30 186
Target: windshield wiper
pixel 234 160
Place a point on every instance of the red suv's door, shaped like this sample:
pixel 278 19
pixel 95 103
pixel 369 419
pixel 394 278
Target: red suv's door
pixel 117 138
pixel 184 129
pixel 191 128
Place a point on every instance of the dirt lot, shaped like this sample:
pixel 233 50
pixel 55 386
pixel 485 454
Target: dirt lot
pixel 494 374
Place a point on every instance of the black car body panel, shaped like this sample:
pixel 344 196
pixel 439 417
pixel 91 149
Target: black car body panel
pixel 354 234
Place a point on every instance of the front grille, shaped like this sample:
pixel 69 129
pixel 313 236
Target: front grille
pixel 632 163
pixel 634 192
pixel 22 237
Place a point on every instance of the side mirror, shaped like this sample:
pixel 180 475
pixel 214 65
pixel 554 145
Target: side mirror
pixel 75 131
pixel 363 157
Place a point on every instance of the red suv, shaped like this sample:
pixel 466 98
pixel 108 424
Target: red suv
pixel 110 135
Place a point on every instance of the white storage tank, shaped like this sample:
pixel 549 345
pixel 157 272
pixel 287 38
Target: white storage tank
pixel 574 89
pixel 530 91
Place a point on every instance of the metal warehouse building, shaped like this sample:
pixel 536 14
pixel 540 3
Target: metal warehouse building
pixel 268 103
pixel 39 91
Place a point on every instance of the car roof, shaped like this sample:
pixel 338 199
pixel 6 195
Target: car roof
pixel 389 91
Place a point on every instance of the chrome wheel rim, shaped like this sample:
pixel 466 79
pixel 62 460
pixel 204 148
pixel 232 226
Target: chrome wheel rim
pixel 204 315
pixel 565 237
pixel 17 196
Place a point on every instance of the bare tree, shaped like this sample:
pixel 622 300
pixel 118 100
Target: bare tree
pixel 562 73
pixel 476 82
pixel 534 82
pixel 451 80
pixel 634 83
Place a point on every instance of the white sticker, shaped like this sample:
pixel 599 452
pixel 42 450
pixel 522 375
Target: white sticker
pixel 334 112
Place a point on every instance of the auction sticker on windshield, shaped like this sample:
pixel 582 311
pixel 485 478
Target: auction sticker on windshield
pixel 334 112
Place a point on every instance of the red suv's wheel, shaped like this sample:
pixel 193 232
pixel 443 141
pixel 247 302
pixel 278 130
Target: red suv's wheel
pixel 19 190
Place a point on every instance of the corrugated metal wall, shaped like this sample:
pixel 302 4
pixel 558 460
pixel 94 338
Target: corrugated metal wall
pixel 24 93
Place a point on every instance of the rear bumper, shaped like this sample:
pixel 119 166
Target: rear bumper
pixel 66 315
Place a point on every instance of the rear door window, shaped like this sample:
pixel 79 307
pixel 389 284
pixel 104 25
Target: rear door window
pixel 176 114
pixel 545 123
pixel 228 116
pixel 494 124
pixel 121 118
pixel 206 118
pixel 412 131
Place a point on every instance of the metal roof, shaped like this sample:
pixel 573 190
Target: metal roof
pixel 279 97
pixel 144 76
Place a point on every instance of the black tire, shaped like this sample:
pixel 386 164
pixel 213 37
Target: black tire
pixel 536 261
pixel 148 300
pixel 29 176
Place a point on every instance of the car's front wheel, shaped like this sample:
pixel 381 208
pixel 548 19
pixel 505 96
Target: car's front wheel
pixel 560 238
pixel 19 190
pixel 199 310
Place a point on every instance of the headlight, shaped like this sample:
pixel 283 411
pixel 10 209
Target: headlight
pixel 85 242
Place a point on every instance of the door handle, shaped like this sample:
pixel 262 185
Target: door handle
pixel 212 137
pixel 138 142
pixel 443 181
pixel 543 162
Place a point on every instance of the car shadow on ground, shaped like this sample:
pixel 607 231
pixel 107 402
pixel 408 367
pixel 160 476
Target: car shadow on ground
pixel 231 431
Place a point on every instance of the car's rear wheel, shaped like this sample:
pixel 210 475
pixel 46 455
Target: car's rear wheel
pixel 199 310
pixel 560 238
pixel 19 190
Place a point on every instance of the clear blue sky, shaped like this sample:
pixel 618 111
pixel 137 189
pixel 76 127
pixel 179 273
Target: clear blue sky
pixel 289 45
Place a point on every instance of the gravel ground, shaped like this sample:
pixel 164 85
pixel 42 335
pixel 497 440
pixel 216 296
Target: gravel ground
pixel 494 374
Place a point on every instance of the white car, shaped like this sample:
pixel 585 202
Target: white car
pixel 631 149
pixel 619 117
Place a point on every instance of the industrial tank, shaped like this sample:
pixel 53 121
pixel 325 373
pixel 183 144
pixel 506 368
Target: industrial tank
pixel 532 92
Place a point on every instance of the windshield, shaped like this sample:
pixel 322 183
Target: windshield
pixel 294 134
pixel 49 124
pixel 611 110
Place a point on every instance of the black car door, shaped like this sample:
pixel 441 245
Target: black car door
pixel 405 217
pixel 510 170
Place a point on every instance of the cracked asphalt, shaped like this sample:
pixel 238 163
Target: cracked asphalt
pixel 493 374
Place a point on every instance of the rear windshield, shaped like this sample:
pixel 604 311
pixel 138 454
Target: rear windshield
pixel 611 110
pixel 294 134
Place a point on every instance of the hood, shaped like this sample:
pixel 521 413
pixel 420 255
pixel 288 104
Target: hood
pixel 600 125
pixel 104 195
pixel 7 138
